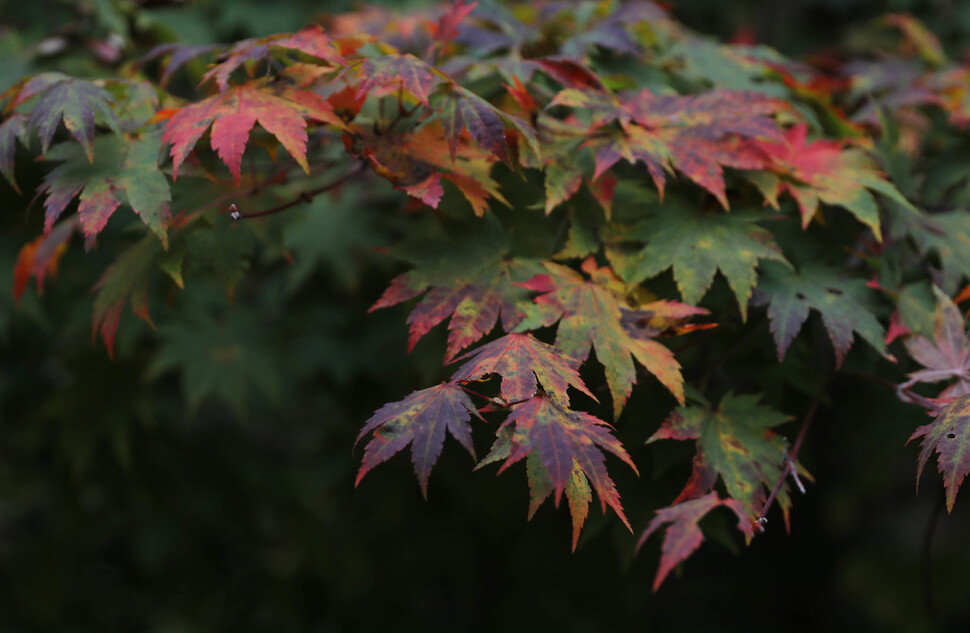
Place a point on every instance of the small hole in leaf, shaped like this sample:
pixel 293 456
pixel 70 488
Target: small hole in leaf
pixel 799 296
pixel 835 291
pixel 951 436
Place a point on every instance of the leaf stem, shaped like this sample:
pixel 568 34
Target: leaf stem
pixel 304 196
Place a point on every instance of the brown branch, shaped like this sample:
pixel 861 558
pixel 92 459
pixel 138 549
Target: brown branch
pixel 303 197
pixel 790 462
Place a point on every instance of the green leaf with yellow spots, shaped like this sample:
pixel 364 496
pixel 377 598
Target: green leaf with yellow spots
pixel 698 244
pixel 737 441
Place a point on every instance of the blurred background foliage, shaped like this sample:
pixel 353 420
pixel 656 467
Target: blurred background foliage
pixel 203 480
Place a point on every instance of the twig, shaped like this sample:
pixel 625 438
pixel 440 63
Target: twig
pixel 303 197
pixel 790 462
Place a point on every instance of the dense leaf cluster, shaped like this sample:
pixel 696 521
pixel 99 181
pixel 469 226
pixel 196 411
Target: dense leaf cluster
pixel 588 203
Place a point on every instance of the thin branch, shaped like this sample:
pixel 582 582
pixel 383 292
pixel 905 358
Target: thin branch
pixel 304 196
pixel 790 462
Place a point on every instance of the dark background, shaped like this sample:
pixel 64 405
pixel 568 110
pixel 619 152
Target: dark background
pixel 137 495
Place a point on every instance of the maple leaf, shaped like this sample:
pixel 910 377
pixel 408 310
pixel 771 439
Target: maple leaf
pixel 76 102
pixel 947 356
pixel 446 28
pixel 41 257
pixel 697 244
pixel 949 237
pixel 410 162
pixel 841 302
pixel 735 440
pixel 823 170
pixel 282 111
pixel 469 278
pixel 566 439
pixel 683 536
pixel 697 135
pixel 126 280
pixel 123 169
pixel 13 128
pixel 406 72
pixel 523 362
pixel 311 40
pixel 578 493
pixel 949 436
pixel 590 315
pixel 420 420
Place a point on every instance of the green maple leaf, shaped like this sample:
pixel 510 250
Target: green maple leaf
pixel 950 238
pixel 842 302
pixel 949 436
pixel 420 420
pixel 736 441
pixel 219 352
pixel 696 245
pixel 123 169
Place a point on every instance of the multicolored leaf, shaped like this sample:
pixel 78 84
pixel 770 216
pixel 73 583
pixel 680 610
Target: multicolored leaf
pixel 470 279
pixel 565 440
pixel 404 72
pixel 524 363
pixel 947 357
pixel 949 436
pixel 590 316
pixel 697 135
pixel 683 536
pixel 41 257
pixel 124 169
pixel 420 420
pixel 825 171
pixel 126 280
pixel 736 441
pixel 578 493
pixel 410 159
pixel 76 102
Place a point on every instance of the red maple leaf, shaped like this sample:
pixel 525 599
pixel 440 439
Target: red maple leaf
pixel 41 257
pixel 282 111
pixel 683 536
